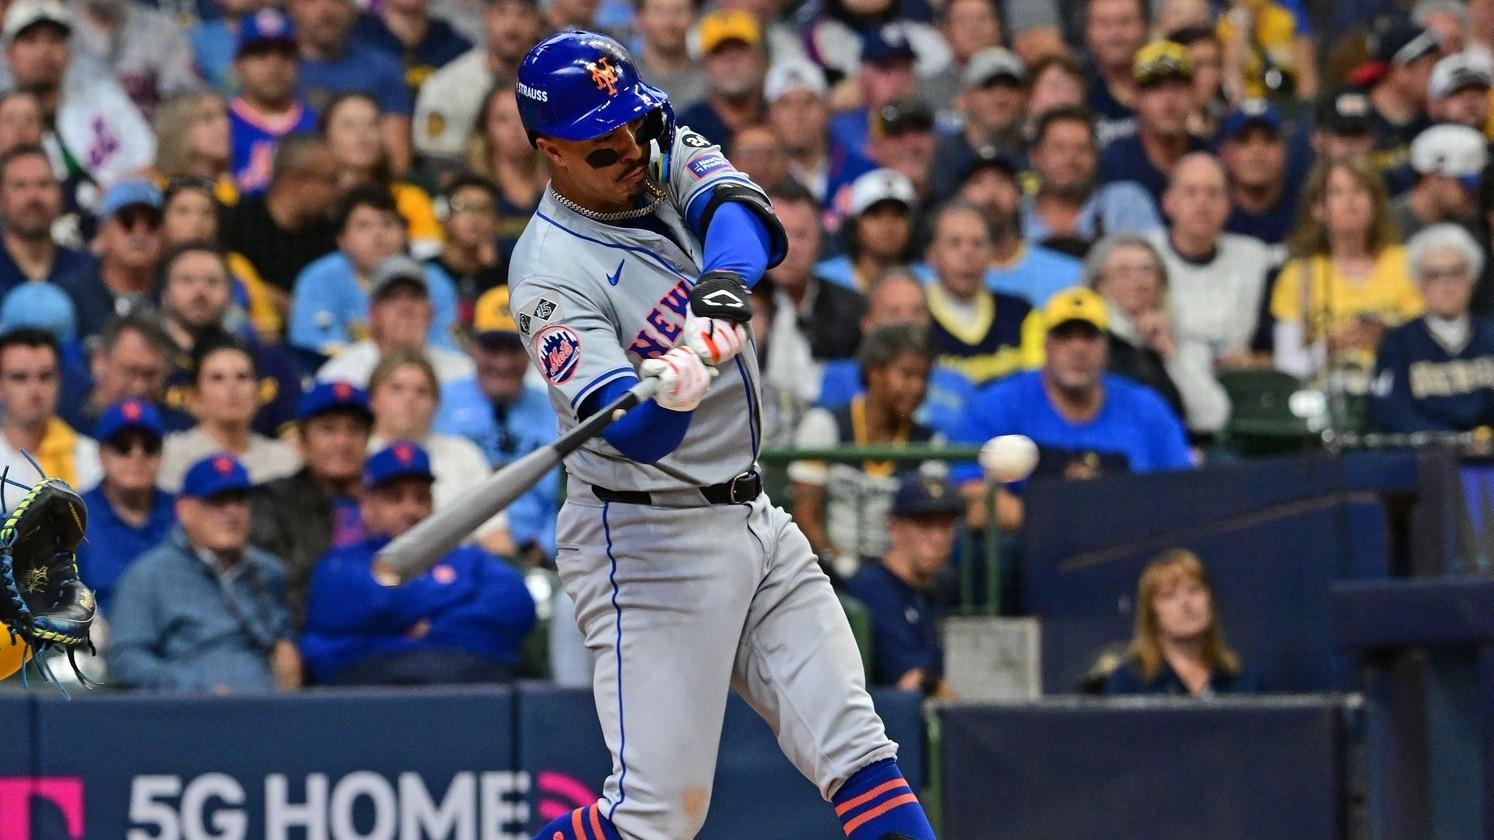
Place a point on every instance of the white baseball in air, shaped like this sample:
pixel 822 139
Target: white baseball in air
pixel 1008 458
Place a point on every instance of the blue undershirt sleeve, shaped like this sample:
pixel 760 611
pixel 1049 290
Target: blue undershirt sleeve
pixel 737 240
pixel 645 434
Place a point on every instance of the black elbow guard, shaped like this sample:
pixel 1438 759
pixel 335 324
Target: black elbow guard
pixel 760 207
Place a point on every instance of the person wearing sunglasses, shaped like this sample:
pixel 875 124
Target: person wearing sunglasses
pixel 128 514
pixel 128 246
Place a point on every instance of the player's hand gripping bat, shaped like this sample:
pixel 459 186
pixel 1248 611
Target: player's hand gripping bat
pixel 409 555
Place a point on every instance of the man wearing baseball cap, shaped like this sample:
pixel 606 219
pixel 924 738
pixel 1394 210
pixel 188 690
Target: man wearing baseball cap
pixel 507 416
pixel 462 621
pixel 204 611
pixel 1086 422
pixel 1449 161
pixel 101 131
pixel 885 75
pixel 796 92
pixel 902 138
pixel 128 514
pixel 992 104
pixel 1343 125
pixel 1164 99
pixel 329 308
pixel 1403 56
pixel 129 250
pixel 399 318
pixel 1018 267
pixel 1459 90
pixel 266 108
pixel 878 233
pixel 1263 201
pixel 898 590
pixel 300 517
pixel 730 45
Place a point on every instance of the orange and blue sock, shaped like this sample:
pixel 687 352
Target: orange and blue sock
pixel 878 804
pixel 581 824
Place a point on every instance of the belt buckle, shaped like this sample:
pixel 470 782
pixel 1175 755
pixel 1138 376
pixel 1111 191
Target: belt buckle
pixel 744 482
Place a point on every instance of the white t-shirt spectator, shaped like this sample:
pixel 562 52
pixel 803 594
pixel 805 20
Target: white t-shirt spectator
pixel 1217 303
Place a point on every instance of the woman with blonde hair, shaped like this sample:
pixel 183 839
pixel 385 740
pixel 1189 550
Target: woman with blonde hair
pixel 1348 282
pixel 1178 647
pixel 193 139
pixel 403 393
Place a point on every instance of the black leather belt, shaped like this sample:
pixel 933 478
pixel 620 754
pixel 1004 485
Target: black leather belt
pixel 739 491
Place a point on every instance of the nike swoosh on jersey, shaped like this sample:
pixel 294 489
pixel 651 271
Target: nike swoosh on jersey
pixel 616 275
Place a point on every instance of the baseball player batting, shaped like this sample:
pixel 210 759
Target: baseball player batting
pixel 687 581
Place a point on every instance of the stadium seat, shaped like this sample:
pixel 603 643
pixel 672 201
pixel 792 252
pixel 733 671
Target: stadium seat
pixel 861 627
pixel 1261 419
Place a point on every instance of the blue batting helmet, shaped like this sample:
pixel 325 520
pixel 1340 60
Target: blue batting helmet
pixel 578 85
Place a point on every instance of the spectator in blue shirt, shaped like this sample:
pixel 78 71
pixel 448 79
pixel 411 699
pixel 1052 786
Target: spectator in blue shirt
pixel 460 622
pixel 886 75
pixel 1069 212
pixel 898 298
pixel 30 201
pixel 329 307
pixel 406 30
pixel 334 62
pixel 204 611
pixel 898 591
pixel 878 232
pixel 129 248
pixel 1085 422
pixel 1164 98
pixel 128 514
pixel 1262 193
pixel 267 109
pixel 1019 267
pixel 507 419
pixel 1178 647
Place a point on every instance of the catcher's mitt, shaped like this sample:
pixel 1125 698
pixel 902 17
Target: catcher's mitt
pixel 42 599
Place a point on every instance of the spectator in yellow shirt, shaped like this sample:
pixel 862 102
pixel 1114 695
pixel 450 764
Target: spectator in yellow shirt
pixel 1348 281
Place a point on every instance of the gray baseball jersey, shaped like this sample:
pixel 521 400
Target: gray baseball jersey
pixel 680 601
pixel 593 300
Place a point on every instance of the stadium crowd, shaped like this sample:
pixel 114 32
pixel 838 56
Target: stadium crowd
pixel 253 280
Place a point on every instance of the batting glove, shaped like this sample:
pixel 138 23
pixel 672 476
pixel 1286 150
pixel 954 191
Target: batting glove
pixel 715 341
pixel 683 378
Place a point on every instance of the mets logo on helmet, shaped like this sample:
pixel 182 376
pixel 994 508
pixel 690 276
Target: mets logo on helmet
pixel 603 75
pixel 559 353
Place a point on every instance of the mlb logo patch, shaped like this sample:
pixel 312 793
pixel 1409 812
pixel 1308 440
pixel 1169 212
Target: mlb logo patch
pixel 558 353
pixel 706 165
